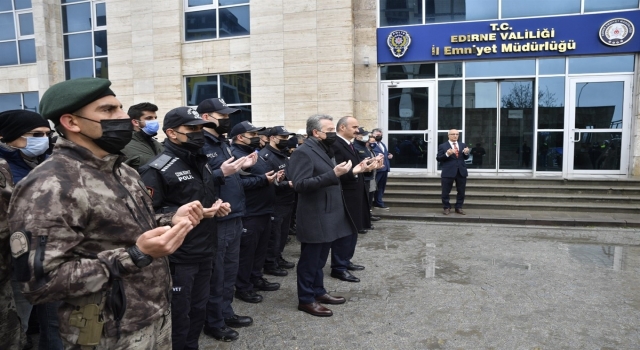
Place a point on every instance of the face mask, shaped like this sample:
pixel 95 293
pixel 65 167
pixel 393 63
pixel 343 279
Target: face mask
pixel 378 138
pixel 282 144
pixel 254 143
pixel 330 138
pixel 224 125
pixel 151 127
pixel 116 134
pixel 195 140
pixel 35 146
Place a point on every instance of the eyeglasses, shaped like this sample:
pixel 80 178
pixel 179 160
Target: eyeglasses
pixel 453 134
pixel 39 134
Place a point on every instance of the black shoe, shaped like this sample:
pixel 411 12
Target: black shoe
pixel 222 334
pixel 238 321
pixel 354 267
pixel 29 344
pixel 384 207
pixel 344 276
pixel 275 271
pixel 362 231
pixel 263 284
pixel 285 264
pixel 249 296
pixel 375 218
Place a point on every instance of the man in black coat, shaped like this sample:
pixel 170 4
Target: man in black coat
pixel 321 214
pixel 355 198
pixel 451 156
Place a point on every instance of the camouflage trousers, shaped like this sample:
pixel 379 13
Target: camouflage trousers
pixel 11 336
pixel 154 337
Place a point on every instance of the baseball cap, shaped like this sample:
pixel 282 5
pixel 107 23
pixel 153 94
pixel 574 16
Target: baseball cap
pixel 243 127
pixel 215 105
pixel 280 131
pixel 362 132
pixel 184 116
pixel 265 132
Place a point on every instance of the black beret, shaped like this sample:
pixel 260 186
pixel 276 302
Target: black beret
pixel 15 123
pixel 71 95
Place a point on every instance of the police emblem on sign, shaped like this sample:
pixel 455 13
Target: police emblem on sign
pixel 398 41
pixel 616 32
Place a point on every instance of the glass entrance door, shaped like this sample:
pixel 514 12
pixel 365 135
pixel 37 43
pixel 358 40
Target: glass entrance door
pixel 408 113
pixel 599 122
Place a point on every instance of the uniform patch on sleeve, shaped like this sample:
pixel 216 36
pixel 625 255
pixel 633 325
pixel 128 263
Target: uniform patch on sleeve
pixel 150 191
pixel 19 244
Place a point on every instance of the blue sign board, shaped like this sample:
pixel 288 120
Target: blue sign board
pixel 602 33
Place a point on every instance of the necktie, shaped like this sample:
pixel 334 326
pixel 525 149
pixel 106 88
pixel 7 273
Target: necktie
pixel 352 149
pixel 455 148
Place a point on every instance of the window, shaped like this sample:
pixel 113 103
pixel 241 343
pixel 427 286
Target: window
pixel 235 89
pixel 519 8
pixel 17 42
pixel 84 24
pixel 215 19
pixel 20 100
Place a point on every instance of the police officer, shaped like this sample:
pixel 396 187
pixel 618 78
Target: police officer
pixel 275 154
pixel 260 197
pixel 360 145
pixel 84 232
pixel 220 315
pixel 264 137
pixel 181 175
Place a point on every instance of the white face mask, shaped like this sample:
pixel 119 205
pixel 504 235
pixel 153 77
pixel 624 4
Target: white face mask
pixel 364 138
pixel 35 146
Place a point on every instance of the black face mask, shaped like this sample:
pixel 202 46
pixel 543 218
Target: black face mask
pixel 224 125
pixel 254 143
pixel 116 134
pixel 378 138
pixel 195 140
pixel 330 138
pixel 282 144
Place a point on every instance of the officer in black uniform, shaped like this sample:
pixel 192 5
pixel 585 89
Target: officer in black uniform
pixel 276 155
pixel 178 176
pixel 264 137
pixel 364 152
pixel 260 196
pixel 220 315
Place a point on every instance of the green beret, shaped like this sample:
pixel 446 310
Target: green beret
pixel 71 95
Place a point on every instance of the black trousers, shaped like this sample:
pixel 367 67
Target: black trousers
pixel 253 250
pixel 189 302
pixel 447 185
pixel 342 250
pixel 313 257
pixel 279 233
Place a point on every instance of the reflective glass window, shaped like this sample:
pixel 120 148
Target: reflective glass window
pixel 102 68
pixel 450 70
pixel 449 104
pixel 516 124
pixel 78 69
pixel 599 105
pixel 8 53
pixel 550 150
pixel 608 5
pixel 481 114
pixel 6 5
pixel 101 14
pixel 76 18
pixel 551 103
pixel 500 68
pixel 604 64
pixel 551 66
pixel 520 8
pixel 400 12
pixel 10 101
pixel 26 23
pixel 236 88
pixel 234 21
pixel 408 71
pixel 7 26
pixel 100 42
pixel 31 101
pixel 27 51
pixel 22 4
pixel 192 3
pixel 409 150
pixel 438 11
pixel 78 45
pixel 232 2
pixel 200 25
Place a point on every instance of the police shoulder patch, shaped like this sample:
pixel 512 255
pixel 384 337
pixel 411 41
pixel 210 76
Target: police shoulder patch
pixel 19 244
pixel 160 162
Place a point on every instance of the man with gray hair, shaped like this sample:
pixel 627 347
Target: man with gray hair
pixel 322 217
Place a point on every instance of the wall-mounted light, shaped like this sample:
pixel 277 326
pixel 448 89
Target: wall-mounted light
pixel 366 61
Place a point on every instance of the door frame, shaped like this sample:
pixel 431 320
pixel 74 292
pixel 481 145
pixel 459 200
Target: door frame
pixel 429 135
pixel 570 141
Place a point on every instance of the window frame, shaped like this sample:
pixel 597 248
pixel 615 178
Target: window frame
pixel 22 100
pixel 94 28
pixel 213 6
pixel 18 35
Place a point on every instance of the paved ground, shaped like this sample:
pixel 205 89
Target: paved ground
pixel 466 286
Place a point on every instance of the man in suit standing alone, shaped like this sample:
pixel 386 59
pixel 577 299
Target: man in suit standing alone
pixel 451 156
pixel 321 214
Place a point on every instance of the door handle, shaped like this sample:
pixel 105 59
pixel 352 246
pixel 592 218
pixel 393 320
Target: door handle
pixel 579 135
pixel 425 135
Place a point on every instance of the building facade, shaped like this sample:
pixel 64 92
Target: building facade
pixel 544 88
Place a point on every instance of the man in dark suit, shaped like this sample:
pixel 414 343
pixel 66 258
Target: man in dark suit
pixel 321 214
pixel 381 175
pixel 355 198
pixel 451 156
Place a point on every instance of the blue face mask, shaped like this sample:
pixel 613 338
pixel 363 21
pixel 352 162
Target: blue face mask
pixel 35 146
pixel 151 127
